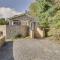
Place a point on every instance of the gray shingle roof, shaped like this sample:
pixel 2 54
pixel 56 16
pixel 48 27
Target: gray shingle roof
pixel 34 19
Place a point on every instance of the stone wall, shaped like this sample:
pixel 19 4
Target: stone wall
pixel 13 30
pixel 24 30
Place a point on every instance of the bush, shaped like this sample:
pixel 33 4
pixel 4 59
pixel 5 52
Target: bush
pixel 18 36
pixel 57 36
pixel 3 22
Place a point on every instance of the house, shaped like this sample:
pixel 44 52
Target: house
pixel 25 25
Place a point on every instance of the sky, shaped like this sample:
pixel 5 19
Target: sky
pixel 9 8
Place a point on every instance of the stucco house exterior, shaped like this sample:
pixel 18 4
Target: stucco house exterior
pixel 23 24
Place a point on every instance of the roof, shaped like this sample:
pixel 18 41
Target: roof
pixel 24 14
pixel 16 16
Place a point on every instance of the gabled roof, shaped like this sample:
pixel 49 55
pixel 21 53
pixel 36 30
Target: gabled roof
pixel 16 16
pixel 21 15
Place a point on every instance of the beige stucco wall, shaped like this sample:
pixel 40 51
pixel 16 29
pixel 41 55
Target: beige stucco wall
pixel 31 34
pixel 2 37
pixel 39 33
pixel 3 29
pixel 2 41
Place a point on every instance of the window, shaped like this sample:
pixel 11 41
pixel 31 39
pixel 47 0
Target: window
pixel 16 22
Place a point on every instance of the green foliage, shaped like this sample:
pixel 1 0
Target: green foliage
pixel 18 36
pixel 41 7
pixel 33 9
pixel 48 12
pixel 3 22
pixel 57 36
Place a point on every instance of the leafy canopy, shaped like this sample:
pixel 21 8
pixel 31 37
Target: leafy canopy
pixel 47 11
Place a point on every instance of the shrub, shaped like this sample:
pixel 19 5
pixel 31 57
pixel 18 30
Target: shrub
pixel 18 36
pixel 57 36
pixel 3 22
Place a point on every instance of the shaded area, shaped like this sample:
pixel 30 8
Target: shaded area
pixel 6 52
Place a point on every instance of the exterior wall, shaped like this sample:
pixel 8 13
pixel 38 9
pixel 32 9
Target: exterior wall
pixel 31 34
pixel 2 41
pixel 3 29
pixel 39 33
pixel 24 22
pixel 3 35
pixel 24 30
pixel 12 31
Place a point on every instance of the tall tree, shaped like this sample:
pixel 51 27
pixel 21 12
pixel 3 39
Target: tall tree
pixel 33 9
pixel 46 11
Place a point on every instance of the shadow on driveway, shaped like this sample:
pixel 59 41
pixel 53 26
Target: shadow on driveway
pixel 6 52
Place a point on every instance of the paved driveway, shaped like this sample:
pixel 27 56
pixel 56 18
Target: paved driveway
pixel 29 49
pixel 6 52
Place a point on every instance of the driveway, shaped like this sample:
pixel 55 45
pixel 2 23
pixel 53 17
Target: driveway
pixel 30 49
pixel 33 49
pixel 6 52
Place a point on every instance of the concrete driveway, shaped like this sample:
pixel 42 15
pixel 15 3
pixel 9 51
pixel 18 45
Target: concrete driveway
pixel 30 49
pixel 33 49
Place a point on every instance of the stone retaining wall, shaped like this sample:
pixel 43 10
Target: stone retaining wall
pixel 12 31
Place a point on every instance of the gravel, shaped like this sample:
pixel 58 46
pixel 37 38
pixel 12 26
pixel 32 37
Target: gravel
pixel 33 49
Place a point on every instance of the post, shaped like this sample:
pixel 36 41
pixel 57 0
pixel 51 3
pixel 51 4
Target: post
pixel 32 29
pixel 31 34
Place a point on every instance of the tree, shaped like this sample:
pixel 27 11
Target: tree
pixel 3 22
pixel 48 12
pixel 39 9
pixel 33 9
